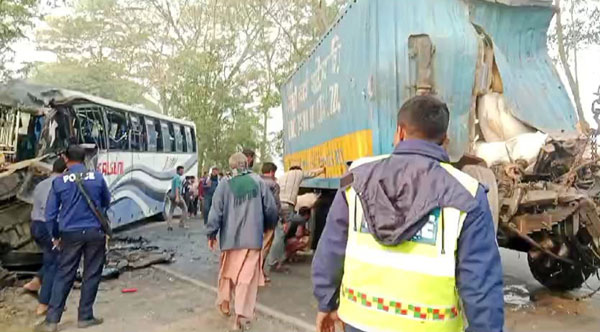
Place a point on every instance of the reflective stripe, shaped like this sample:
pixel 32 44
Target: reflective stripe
pixel 400 307
pixel 436 266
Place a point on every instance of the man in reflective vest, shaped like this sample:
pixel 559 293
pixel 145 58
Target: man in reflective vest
pixel 409 242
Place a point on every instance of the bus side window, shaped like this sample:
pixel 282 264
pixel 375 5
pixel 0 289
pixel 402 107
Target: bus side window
pixel 184 138
pixel 137 133
pixel 118 133
pixel 178 138
pixel 90 125
pixel 193 134
pixel 167 136
pixel 159 135
pixel 151 134
pixel 188 140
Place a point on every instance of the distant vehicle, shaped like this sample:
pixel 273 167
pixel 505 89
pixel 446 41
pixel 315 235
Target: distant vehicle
pixel 488 60
pixel 137 151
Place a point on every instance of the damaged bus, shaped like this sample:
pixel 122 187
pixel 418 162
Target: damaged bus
pixel 137 151
pixel 512 124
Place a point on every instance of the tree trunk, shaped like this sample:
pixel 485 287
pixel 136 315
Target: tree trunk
pixel 583 125
pixel 263 145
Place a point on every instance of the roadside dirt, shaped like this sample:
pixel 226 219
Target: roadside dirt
pixel 549 311
pixel 161 304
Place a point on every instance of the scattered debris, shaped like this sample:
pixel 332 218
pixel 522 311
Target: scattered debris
pixel 7 278
pixel 517 295
pixel 135 253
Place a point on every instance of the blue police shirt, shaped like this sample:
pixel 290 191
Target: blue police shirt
pixel 66 204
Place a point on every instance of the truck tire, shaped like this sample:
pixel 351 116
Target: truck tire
pixel 486 177
pixel 557 275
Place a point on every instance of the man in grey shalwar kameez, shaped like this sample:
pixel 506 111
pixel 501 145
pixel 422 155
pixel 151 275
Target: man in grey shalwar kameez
pixel 242 208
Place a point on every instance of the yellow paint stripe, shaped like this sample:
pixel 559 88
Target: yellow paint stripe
pixel 334 153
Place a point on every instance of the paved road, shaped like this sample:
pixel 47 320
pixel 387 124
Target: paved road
pixel 161 304
pixel 291 293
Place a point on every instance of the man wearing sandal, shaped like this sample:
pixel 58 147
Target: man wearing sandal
pixel 242 208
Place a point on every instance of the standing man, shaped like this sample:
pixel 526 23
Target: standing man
pixel 289 184
pixel 80 233
pixel 268 176
pixel 201 182
pixel 409 242
pixel 193 208
pixel 242 209
pixel 177 199
pixel 209 188
pixel 42 234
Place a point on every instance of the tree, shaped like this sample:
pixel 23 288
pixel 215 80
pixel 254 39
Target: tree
pixel 218 63
pixel 15 17
pixel 577 26
pixel 103 79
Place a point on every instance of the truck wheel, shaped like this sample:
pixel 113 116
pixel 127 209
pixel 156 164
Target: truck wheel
pixel 486 177
pixel 558 275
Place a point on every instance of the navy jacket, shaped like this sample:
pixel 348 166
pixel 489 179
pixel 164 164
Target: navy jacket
pixel 479 270
pixel 69 206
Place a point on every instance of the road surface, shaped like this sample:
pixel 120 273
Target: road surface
pixel 161 304
pixel 533 308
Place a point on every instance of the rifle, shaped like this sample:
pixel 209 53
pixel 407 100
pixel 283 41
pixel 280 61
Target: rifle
pixel 101 217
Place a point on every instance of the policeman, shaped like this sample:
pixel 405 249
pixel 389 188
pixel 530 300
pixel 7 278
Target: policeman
pixel 42 234
pixel 81 234
pixel 409 242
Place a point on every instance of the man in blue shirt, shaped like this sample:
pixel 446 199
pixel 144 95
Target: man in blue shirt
pixel 176 197
pixel 42 235
pixel 80 234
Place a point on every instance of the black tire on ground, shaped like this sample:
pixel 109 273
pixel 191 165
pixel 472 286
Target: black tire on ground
pixel 557 275
pixel 486 177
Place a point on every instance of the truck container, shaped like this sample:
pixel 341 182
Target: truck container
pixel 512 124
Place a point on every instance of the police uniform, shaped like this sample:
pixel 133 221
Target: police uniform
pixel 81 234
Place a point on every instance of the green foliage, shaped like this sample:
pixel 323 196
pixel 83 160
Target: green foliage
pixel 103 79
pixel 216 62
pixel 15 17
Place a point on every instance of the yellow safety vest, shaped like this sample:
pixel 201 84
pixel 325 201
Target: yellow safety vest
pixel 410 287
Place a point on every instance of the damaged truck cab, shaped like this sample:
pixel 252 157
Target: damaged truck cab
pixel 512 124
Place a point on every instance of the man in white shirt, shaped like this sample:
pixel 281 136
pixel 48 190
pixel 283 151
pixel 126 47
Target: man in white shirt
pixel 289 185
